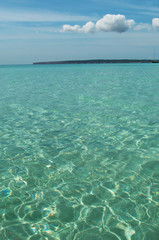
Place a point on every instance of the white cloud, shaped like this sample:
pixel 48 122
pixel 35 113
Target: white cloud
pixel 89 27
pixel 69 28
pixel 155 23
pixel 109 23
pixel 142 26
pixel 114 23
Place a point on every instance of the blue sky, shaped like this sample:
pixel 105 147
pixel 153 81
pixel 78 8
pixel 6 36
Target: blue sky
pixel 36 30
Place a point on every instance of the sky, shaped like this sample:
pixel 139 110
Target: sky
pixel 54 30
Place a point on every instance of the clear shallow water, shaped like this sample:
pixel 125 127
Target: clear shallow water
pixel 79 152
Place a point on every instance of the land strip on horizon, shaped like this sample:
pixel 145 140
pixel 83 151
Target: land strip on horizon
pixel 99 61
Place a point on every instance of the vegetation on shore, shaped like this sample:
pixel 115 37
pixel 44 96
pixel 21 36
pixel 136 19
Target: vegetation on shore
pixel 97 61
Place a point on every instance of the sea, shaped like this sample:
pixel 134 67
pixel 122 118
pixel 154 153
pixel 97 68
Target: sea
pixel 79 152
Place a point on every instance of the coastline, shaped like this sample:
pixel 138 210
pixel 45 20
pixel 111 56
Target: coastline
pixel 97 61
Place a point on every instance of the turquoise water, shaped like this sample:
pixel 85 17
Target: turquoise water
pixel 79 152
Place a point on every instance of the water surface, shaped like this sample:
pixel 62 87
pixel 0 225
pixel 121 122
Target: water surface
pixel 79 152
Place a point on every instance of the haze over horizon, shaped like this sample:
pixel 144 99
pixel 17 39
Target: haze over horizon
pixel 34 31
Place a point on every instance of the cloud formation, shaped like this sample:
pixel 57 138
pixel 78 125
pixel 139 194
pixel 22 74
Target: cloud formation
pixel 114 23
pixel 109 23
pixel 69 28
pixel 155 23
pixel 143 26
pixel 89 27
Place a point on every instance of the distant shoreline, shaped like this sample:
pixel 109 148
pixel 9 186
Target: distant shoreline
pixel 98 61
